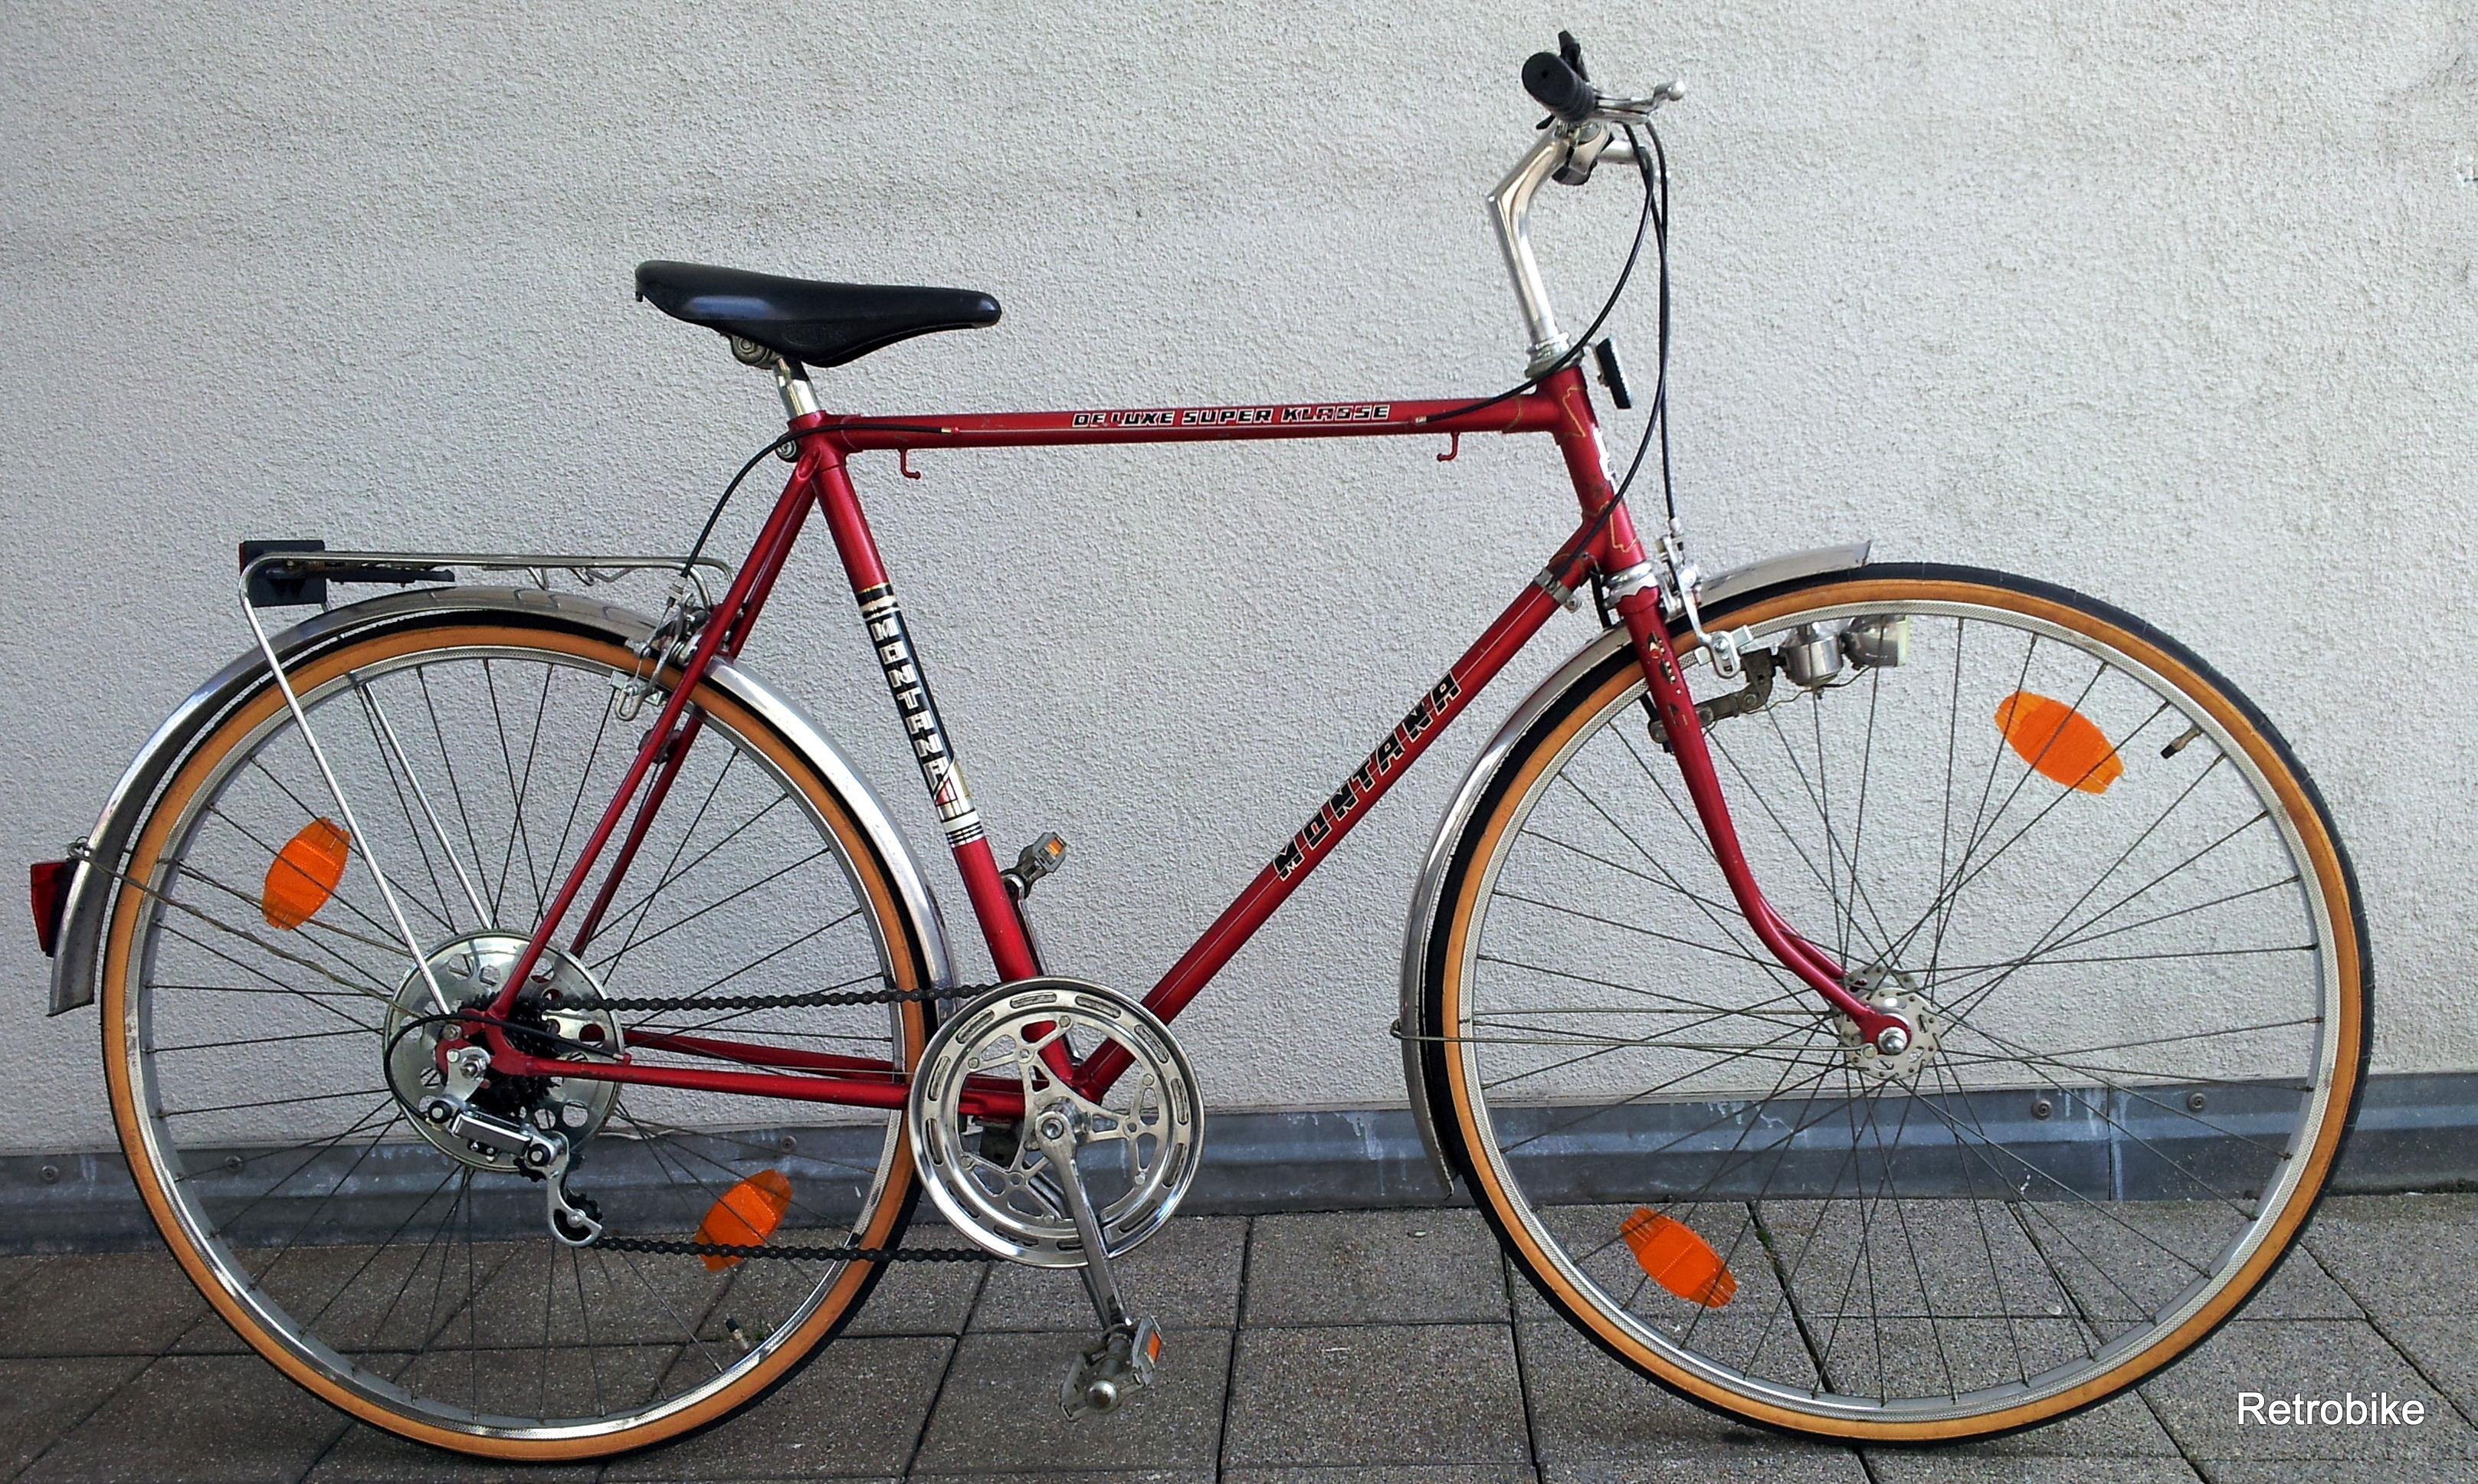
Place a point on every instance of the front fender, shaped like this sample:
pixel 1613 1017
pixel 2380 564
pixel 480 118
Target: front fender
pixel 105 850
pixel 1729 587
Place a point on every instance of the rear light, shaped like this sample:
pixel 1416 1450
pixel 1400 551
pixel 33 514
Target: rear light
pixel 50 883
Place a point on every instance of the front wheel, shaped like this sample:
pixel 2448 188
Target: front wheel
pixel 2085 866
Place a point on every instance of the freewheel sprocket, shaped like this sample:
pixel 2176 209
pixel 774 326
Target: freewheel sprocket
pixel 1136 1144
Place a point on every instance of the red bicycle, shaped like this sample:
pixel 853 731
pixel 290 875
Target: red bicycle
pixel 1893 1002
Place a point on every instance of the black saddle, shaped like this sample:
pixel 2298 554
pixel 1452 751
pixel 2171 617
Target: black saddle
pixel 816 324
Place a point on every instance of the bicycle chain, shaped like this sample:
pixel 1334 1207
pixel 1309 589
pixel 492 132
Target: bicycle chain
pixel 668 1249
pixel 665 1247
pixel 660 1005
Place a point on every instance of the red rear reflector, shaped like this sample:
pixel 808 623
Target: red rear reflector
pixel 304 873
pixel 746 1215
pixel 2061 743
pixel 50 881
pixel 1679 1259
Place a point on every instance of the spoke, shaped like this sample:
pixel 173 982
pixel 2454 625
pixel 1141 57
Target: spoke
pixel 1625 927
pixel 2033 1173
pixel 1819 794
pixel 1703 1008
pixel 1940 906
pixel 2080 937
pixel 309 1153
pixel 455 789
pixel 2051 933
pixel 538 874
pixel 1666 882
pixel 584 776
pixel 383 726
pixel 260 1041
pixel 2033 1060
pixel 415 1268
pixel 770 876
pixel 256 942
pixel 2130 896
pixel 1711 914
pixel 273 986
pixel 771 955
pixel 1951 897
pixel 639 912
pixel 1979 1215
pixel 2162 1040
pixel 1632 1098
pixel 1858 831
pixel 276 1103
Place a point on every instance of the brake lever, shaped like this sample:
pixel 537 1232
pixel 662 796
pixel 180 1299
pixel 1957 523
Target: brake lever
pixel 1636 111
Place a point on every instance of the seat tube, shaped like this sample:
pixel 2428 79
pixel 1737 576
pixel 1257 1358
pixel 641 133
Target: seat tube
pixel 891 640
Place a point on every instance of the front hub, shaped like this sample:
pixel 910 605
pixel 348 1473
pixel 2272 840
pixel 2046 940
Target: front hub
pixel 471 971
pixel 1898 1053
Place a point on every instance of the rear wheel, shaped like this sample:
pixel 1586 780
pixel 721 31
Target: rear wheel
pixel 261 1073
pixel 2082 863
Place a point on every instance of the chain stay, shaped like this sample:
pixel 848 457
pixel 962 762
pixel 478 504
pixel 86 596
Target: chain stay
pixel 663 1247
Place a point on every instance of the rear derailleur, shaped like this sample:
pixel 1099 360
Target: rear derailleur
pixel 540 1154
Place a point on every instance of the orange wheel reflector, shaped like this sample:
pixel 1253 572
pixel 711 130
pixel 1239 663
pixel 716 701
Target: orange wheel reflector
pixel 1677 1259
pixel 1152 1347
pixel 746 1215
pixel 304 873
pixel 2061 743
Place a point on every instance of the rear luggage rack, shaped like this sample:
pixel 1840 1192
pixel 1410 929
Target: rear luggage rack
pixel 288 573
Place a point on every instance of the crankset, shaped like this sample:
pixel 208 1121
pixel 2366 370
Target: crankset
pixel 1082 1179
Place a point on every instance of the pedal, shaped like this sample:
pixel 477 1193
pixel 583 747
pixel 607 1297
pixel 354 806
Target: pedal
pixel 1036 861
pixel 1119 1365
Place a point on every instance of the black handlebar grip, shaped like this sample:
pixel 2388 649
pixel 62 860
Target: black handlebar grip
pixel 1548 78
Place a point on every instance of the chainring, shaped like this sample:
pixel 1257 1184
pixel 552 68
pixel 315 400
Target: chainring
pixel 1137 1144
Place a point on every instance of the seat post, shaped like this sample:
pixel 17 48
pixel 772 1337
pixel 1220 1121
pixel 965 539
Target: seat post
pixel 791 380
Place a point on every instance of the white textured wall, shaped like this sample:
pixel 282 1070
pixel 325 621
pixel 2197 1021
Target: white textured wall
pixel 2169 302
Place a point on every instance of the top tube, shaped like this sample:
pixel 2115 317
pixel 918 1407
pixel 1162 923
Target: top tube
pixel 1533 411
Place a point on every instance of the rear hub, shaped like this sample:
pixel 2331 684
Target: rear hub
pixel 471 971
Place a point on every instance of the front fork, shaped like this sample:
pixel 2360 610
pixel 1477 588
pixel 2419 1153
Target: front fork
pixel 1641 611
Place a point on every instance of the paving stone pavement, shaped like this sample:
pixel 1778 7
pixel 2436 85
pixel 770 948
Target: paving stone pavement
pixel 1357 1348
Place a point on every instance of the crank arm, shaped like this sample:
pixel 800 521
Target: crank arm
pixel 1120 1362
pixel 1055 1135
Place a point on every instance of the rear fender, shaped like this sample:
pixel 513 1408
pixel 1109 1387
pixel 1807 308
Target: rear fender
pixel 100 856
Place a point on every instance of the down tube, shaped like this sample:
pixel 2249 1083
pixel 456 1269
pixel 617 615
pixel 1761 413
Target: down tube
pixel 1337 816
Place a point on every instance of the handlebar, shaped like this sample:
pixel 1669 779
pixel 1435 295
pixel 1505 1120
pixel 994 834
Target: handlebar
pixel 1558 87
pixel 1556 80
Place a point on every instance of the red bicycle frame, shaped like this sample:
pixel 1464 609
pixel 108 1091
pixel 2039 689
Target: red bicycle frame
pixel 1604 543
